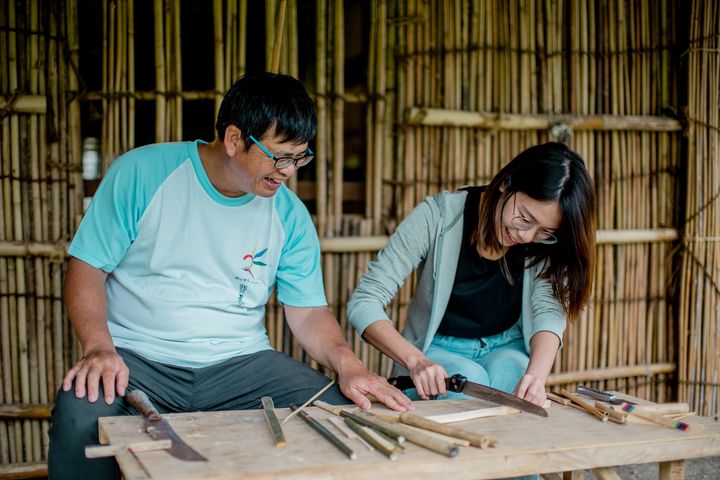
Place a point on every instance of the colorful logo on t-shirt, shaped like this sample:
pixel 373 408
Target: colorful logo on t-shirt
pixel 251 259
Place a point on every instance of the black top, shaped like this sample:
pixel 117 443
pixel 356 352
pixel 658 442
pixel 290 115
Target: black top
pixel 482 301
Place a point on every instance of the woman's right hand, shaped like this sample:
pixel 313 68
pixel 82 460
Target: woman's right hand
pixel 428 377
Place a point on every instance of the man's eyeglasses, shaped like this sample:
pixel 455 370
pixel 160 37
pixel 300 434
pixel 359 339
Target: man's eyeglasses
pixel 522 223
pixel 284 162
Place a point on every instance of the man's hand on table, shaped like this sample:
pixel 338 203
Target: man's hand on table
pixel 356 382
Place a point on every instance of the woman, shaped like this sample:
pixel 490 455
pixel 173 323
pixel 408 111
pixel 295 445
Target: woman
pixel 500 268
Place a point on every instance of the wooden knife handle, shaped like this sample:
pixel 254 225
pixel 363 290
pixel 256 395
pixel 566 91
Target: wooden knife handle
pixel 141 402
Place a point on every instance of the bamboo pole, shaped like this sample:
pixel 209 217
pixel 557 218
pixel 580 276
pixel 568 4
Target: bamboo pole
pixel 160 101
pixel 338 106
pixel 23 103
pixel 509 121
pixel 278 35
pixel 321 102
pixel 380 19
pixel 177 63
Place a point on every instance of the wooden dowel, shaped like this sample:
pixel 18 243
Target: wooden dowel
pixel 310 400
pixel 112 450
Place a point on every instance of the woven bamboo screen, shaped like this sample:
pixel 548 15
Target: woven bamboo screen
pixel 454 89
pixel 41 196
pixel 699 305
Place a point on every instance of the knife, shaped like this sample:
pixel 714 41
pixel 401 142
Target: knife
pixel 159 428
pixel 600 395
pixel 460 384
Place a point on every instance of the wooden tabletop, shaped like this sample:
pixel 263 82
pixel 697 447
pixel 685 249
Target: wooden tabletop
pixel 239 444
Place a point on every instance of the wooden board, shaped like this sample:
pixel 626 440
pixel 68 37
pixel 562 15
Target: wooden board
pixel 239 445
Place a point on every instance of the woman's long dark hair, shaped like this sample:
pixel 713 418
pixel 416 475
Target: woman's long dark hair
pixel 549 172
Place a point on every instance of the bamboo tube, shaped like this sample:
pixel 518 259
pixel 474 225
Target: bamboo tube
pixel 160 132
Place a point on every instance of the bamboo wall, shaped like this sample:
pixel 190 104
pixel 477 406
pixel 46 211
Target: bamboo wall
pixel 530 58
pixel 602 74
pixel 41 198
pixel 699 305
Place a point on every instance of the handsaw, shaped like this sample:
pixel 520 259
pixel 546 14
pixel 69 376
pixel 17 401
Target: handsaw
pixel 159 428
pixel 460 384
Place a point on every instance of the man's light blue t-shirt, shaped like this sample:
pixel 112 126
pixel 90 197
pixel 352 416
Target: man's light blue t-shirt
pixel 191 270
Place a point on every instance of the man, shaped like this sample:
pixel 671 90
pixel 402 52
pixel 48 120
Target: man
pixel 173 265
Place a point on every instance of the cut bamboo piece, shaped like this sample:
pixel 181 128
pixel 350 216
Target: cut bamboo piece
pixel 345 430
pixel 613 415
pixel 475 439
pixel 588 407
pixel 272 421
pixel 660 420
pixel 397 430
pixel 371 439
pixel 558 398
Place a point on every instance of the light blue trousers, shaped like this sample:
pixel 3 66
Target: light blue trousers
pixel 498 361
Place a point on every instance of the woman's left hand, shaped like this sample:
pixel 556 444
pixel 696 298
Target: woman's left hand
pixel 532 389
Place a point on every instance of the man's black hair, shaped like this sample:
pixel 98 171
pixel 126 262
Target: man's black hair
pixel 259 102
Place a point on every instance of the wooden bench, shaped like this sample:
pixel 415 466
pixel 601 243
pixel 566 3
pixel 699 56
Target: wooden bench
pixel 239 445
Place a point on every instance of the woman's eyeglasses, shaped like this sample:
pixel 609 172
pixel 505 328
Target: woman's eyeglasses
pixel 284 162
pixel 522 223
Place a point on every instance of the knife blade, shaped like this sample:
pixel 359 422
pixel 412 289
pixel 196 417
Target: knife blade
pixel 159 428
pixel 460 384
pixel 600 395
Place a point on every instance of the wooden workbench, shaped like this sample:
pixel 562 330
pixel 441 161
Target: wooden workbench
pixel 238 444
